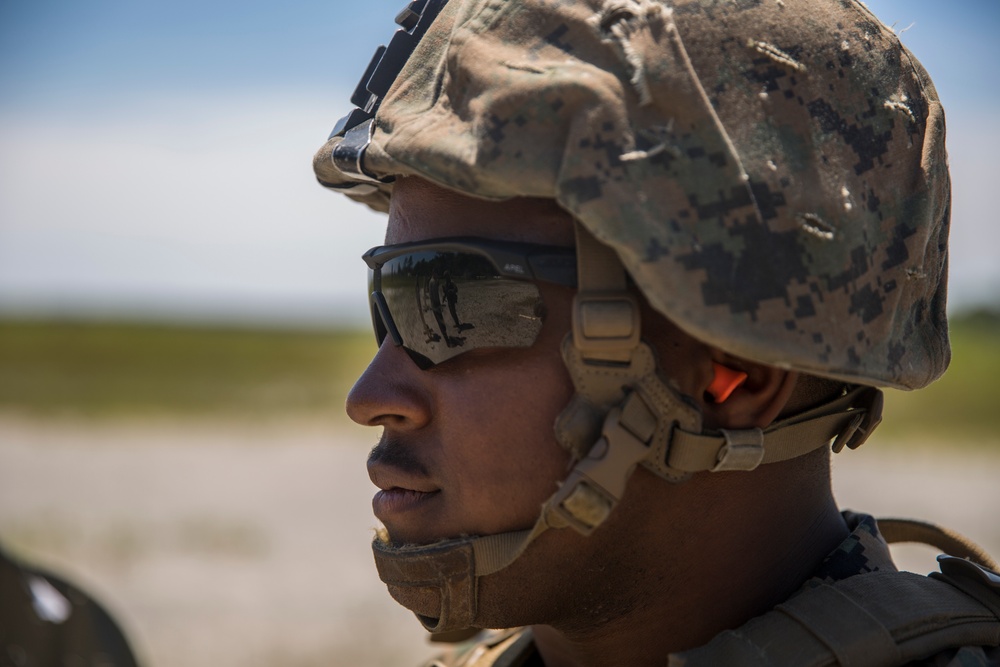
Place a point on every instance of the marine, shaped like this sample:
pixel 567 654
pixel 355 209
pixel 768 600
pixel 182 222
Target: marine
pixel 693 240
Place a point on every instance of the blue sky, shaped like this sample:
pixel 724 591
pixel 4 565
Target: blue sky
pixel 155 157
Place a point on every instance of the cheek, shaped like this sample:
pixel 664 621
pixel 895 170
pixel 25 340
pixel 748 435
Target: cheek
pixel 510 458
pixel 517 412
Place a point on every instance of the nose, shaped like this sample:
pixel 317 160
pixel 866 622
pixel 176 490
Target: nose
pixel 390 392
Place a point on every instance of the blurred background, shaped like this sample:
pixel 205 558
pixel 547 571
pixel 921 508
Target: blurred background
pixel 182 311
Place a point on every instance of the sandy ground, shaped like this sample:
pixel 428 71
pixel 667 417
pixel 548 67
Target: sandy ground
pixel 220 544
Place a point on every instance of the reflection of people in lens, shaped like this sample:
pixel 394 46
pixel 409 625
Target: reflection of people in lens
pixel 433 286
pixel 431 337
pixel 451 296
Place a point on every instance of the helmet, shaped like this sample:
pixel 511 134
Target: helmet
pixel 772 177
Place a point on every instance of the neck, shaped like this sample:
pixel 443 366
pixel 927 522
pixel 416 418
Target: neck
pixel 754 539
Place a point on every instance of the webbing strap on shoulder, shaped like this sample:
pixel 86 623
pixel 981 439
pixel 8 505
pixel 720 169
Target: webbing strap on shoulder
pixel 875 619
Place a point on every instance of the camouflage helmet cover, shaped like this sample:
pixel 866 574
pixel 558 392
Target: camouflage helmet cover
pixel 772 173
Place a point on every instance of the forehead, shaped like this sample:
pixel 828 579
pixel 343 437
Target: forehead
pixel 420 210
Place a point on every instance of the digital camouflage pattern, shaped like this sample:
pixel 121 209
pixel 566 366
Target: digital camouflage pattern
pixel 863 552
pixel 772 173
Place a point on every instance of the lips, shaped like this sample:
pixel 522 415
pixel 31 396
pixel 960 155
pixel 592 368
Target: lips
pixel 388 503
pixel 402 492
pixel 407 503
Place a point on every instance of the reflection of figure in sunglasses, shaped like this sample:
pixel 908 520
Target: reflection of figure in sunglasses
pixel 434 295
pixel 451 297
pixel 756 197
pixel 429 335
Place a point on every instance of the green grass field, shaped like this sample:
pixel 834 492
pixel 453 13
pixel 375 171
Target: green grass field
pixel 961 407
pixel 98 370
pixel 119 370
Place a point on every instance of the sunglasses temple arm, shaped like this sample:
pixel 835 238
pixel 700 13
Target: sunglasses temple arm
pixel 381 312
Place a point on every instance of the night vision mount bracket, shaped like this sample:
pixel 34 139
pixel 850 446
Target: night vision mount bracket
pixel 356 128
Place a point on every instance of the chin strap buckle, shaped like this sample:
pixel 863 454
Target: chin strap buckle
pixel 598 481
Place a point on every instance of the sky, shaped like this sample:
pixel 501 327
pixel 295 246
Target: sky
pixel 155 157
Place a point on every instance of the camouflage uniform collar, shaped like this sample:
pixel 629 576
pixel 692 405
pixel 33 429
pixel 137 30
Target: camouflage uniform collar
pixel 863 551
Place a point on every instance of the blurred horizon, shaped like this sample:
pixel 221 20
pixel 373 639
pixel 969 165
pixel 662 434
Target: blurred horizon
pixel 155 160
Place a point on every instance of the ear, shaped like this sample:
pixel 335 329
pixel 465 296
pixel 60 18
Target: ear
pixel 755 401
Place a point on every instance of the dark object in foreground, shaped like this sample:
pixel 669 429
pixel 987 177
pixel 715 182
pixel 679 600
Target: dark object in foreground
pixel 45 620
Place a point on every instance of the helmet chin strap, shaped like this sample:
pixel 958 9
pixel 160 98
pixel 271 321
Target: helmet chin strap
pixel 623 414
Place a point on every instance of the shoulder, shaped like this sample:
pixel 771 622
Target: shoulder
pixel 858 609
pixel 966 656
pixel 882 617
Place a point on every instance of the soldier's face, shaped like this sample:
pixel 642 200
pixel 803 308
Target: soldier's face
pixel 467 447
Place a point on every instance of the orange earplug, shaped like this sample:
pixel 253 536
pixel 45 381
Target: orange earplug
pixel 726 380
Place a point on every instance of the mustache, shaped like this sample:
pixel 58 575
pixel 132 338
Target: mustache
pixel 395 454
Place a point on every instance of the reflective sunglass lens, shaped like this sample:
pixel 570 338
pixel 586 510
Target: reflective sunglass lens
pixel 440 304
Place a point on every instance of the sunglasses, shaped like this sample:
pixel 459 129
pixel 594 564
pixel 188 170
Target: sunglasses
pixel 437 299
